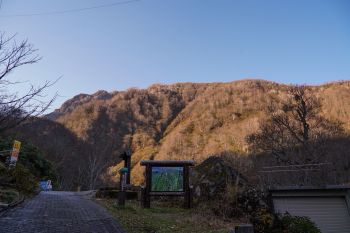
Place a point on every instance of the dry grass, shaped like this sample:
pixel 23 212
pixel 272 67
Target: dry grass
pixel 163 218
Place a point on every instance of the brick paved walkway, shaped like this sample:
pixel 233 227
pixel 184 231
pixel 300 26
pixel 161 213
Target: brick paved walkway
pixel 54 212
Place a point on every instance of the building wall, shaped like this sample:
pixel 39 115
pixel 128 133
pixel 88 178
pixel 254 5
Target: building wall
pixel 329 212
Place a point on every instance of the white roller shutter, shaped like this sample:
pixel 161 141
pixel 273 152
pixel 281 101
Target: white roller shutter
pixel 329 213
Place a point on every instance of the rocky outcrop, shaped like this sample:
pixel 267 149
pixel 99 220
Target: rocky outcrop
pixel 213 177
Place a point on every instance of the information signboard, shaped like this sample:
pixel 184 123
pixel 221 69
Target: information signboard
pixel 167 178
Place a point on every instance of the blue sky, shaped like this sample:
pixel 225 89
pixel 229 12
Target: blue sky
pixel 168 41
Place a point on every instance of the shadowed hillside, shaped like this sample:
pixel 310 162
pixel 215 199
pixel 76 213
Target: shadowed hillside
pixel 59 145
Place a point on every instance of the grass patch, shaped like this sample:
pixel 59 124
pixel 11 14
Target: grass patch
pixel 164 219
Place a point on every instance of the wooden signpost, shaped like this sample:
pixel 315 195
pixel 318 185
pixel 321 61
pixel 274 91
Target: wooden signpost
pixel 126 156
pixel 124 177
pixel 167 178
pixel 122 189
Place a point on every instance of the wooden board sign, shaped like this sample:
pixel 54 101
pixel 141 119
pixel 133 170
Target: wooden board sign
pixel 166 178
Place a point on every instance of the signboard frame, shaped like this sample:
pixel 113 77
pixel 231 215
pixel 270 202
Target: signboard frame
pixel 146 191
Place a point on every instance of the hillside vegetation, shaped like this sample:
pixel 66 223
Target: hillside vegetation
pixel 181 121
pixel 23 179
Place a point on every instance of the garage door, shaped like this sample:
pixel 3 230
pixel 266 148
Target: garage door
pixel 329 213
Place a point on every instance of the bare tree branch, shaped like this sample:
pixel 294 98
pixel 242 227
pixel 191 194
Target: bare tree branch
pixel 14 107
pixel 294 129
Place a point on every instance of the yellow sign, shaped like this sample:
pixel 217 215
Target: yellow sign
pixel 16 145
pixel 15 151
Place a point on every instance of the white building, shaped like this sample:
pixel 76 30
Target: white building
pixel 328 207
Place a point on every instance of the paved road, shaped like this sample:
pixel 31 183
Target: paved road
pixel 54 212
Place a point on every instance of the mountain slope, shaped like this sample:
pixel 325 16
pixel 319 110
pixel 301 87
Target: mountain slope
pixel 180 121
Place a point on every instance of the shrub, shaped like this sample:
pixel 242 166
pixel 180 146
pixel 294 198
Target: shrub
pixel 32 159
pixel 265 222
pixel 251 200
pixel 296 224
pixel 23 179
pixel 30 168
pixel 8 196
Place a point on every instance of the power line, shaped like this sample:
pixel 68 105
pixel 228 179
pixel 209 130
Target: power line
pixel 71 10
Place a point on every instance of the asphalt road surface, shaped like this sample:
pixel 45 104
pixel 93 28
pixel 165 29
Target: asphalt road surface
pixel 55 212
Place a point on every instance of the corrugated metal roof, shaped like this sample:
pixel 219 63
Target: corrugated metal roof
pixel 302 188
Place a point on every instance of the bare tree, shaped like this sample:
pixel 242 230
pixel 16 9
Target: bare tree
pixel 95 165
pixel 295 132
pixel 14 107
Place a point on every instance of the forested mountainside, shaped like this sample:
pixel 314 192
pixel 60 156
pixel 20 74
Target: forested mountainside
pixel 181 121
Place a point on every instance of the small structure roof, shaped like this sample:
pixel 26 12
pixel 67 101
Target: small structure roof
pixel 167 162
pixel 306 188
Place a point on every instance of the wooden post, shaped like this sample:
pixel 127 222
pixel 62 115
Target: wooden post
pixel 125 160
pixel 122 194
pixel 188 198
pixel 147 198
pixel 187 189
pixel 128 165
pixel 142 199
pixel 129 171
pixel 126 156
pixel 121 197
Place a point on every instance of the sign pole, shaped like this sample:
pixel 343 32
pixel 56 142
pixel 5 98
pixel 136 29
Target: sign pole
pixel 122 194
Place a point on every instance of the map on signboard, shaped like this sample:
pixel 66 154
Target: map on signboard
pixel 167 179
